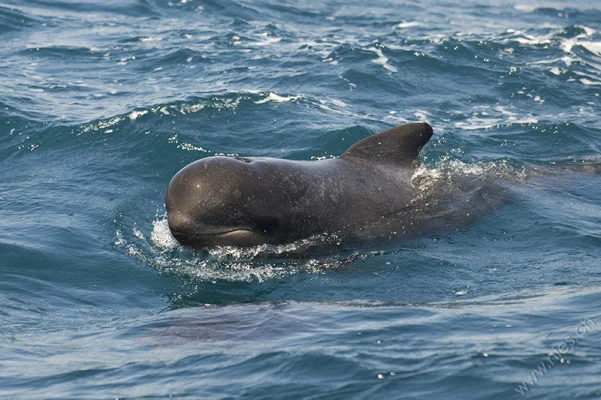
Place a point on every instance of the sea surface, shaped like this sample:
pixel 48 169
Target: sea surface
pixel 103 101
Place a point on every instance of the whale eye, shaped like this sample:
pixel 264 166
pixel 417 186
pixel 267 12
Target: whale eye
pixel 268 225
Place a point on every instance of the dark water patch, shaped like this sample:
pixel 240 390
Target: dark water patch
pixel 131 8
pixel 59 52
pixel 573 32
pixel 176 58
pixel 14 20
pixel 228 10
pixel 587 13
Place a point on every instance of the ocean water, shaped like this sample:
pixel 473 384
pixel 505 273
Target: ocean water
pixel 102 102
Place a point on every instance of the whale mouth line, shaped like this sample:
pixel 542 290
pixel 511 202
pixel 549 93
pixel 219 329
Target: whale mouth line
pixel 212 234
pixel 238 237
pixel 195 234
pixel 228 232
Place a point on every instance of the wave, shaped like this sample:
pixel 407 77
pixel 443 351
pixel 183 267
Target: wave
pixel 12 19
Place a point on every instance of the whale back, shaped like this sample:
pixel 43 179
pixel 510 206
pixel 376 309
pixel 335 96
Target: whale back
pixel 400 145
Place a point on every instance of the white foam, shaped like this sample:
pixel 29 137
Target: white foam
pixel 497 117
pixel 567 60
pixel 395 118
pixel 382 60
pixel 190 147
pixel 474 124
pixel 137 233
pixel 101 125
pixel 524 38
pixel 409 24
pixel 191 108
pixel 587 31
pixel 525 8
pixel 151 39
pixel 555 71
pixel 278 99
pixel 135 114
pixel 422 115
pixel 266 40
pixel 532 40
pixel 566 45
pixel 337 102
pixel 588 82
pixel 593 47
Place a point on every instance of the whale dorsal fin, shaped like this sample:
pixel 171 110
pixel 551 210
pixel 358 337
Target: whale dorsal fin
pixel 400 145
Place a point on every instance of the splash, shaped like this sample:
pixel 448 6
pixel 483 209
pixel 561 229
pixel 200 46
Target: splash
pixel 425 178
pixel 253 264
pixel 161 235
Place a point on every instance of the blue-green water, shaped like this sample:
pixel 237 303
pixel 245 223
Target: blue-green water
pixel 102 102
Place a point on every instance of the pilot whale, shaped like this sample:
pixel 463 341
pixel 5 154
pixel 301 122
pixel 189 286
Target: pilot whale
pixel 367 192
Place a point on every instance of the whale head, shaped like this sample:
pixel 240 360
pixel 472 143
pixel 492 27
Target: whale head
pixel 208 204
